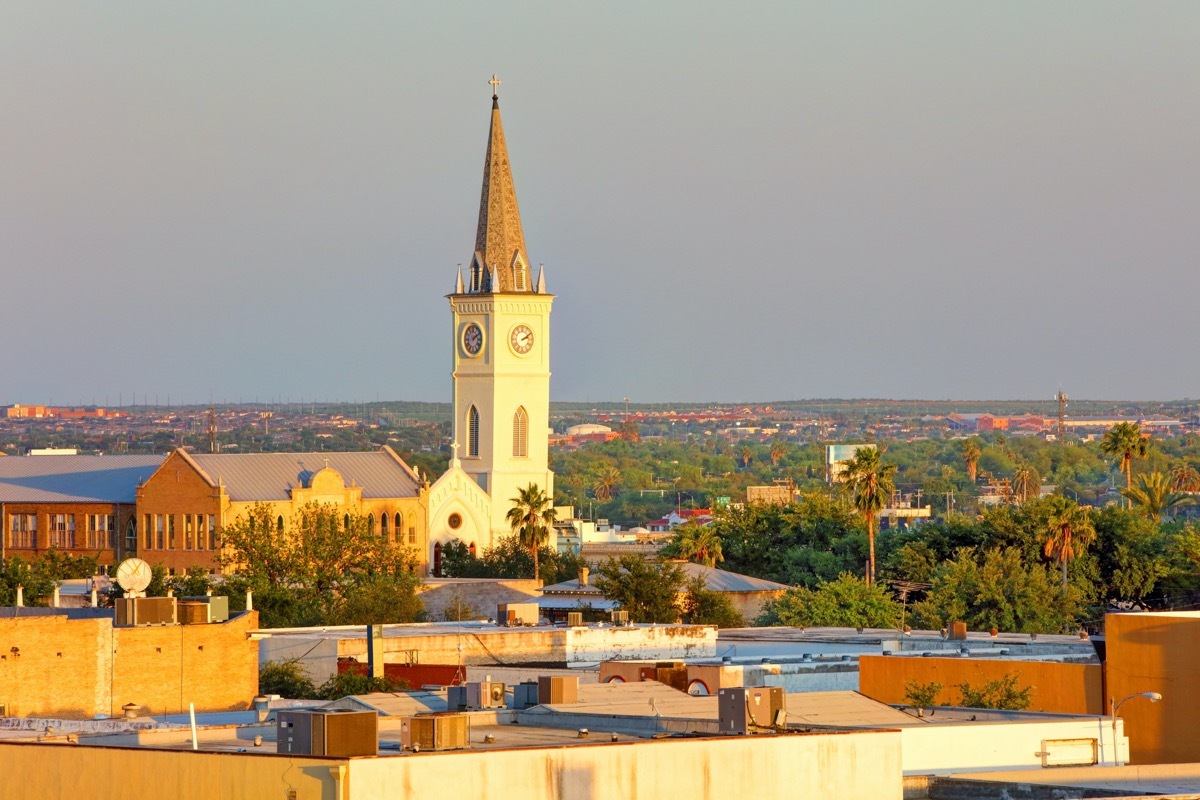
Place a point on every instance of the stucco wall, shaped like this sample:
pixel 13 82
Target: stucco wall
pixel 984 746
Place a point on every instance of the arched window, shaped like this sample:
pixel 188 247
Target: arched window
pixel 519 276
pixel 383 525
pixel 472 549
pixel 370 524
pixel 520 433
pixel 346 522
pixel 399 528
pixel 473 432
pixel 279 524
pixel 437 559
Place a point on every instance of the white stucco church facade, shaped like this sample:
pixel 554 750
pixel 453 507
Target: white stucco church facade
pixel 500 315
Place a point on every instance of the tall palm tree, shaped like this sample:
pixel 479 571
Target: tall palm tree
pixel 1026 483
pixel 871 486
pixel 1184 477
pixel 699 542
pixel 1069 531
pixel 1125 441
pixel 607 484
pixel 1153 495
pixel 778 451
pixel 531 516
pixel 970 453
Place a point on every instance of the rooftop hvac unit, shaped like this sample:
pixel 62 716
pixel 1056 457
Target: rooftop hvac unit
pixel 327 732
pixel 435 732
pixel 192 613
pixel 619 617
pixel 218 606
pixel 456 698
pixel 743 710
pixel 574 619
pixel 525 695
pixel 485 694
pixel 558 689
pixel 132 611
pixel 514 615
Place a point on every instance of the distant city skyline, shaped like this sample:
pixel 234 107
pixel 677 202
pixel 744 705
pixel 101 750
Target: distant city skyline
pixel 229 202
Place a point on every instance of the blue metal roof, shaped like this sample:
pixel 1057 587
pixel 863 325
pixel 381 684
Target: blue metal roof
pixel 74 479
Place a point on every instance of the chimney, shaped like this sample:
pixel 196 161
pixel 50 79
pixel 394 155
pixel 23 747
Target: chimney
pixel 249 600
pixel 20 595
pixel 55 598
pixel 583 576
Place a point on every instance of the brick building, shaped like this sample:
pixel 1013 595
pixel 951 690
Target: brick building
pixel 183 506
pixel 81 505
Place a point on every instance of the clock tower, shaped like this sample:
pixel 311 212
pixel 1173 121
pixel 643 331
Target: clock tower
pixel 501 319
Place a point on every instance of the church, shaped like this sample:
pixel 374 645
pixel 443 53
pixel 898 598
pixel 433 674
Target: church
pixel 500 315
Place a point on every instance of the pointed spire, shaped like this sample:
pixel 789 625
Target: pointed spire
pixel 499 238
pixel 541 284
pixel 458 285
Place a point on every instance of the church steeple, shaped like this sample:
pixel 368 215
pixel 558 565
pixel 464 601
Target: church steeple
pixel 500 263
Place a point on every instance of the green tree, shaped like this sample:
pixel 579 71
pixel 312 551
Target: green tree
pixel 607 484
pixel 379 599
pixel 871 486
pixel 970 454
pixel 1184 477
pixel 1002 693
pixel 531 517
pixel 699 543
pixel 1026 483
pixel 355 682
pixel 286 679
pixel 922 695
pixel 1153 495
pixel 997 589
pixel 702 606
pixel 847 602
pixel 649 592
pixel 1069 531
pixel 1125 441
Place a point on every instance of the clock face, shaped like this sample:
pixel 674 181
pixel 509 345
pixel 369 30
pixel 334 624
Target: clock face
pixel 521 339
pixel 472 340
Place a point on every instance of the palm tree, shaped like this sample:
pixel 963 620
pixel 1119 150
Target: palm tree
pixel 699 542
pixel 747 454
pixel 1153 495
pixel 531 516
pixel 870 481
pixel 778 451
pixel 1026 483
pixel 607 484
pixel 1124 440
pixel 1184 477
pixel 970 453
pixel 1069 532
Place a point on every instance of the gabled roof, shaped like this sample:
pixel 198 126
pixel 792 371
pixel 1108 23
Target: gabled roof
pixel 74 479
pixel 716 580
pixel 253 477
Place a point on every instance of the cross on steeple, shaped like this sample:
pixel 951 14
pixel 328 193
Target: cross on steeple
pixel 495 82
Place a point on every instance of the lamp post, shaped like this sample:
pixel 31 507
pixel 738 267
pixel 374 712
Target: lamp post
pixel 1115 706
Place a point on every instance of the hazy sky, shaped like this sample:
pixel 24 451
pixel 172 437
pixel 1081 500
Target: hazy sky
pixel 750 201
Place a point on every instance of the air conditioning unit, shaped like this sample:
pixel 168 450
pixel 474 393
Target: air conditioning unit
pixel 574 619
pixel 619 617
pixel 558 689
pixel 485 694
pixel 218 606
pixel 136 611
pixel 192 613
pixel 327 732
pixel 525 695
pixel 515 615
pixel 758 709
pixel 435 732
pixel 456 698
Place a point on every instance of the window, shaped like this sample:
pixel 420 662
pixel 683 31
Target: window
pixel 23 530
pixel 279 525
pixel 437 559
pixel 62 531
pixel 519 276
pixel 200 532
pixel 455 521
pixel 520 433
pixel 412 535
pixel 472 549
pixel 101 531
pixel 399 528
pixel 346 522
pixel 159 542
pixel 148 529
pixel 188 537
pixel 131 536
pixel 370 524
pixel 212 532
pixel 473 432
pixel 383 525
pixel 170 531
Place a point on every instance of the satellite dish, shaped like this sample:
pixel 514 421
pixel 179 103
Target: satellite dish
pixel 133 575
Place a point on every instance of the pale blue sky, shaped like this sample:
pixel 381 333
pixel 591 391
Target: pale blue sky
pixel 752 201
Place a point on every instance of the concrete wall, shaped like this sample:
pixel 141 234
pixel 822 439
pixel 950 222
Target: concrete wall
pixel 987 746
pixel 648 642
pixel 1057 687
pixel 1157 653
pixel 763 767
pixel 482 594
pixel 55 666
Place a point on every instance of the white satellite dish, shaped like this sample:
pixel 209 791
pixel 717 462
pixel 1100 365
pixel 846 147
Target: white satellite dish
pixel 133 575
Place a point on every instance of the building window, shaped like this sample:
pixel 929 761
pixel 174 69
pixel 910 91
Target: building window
pixel 101 531
pixel 521 433
pixel 23 530
pixel 455 521
pixel 170 531
pixel 383 525
pixel 473 432
pixel 131 536
pixel 472 549
pixel 212 532
pixel 437 559
pixel 412 535
pixel 279 525
pixel 199 531
pixel 399 528
pixel 62 531
pixel 370 524
pixel 346 522
pixel 188 537
pixel 159 539
pixel 519 276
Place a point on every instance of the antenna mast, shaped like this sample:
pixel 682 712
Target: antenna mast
pixel 1062 415
pixel 213 447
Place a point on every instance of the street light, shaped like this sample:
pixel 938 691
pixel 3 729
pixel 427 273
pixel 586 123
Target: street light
pixel 1115 706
